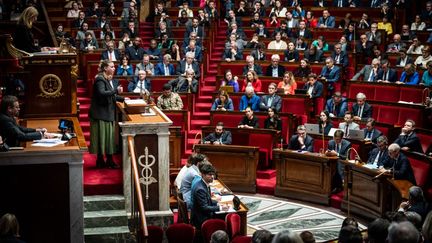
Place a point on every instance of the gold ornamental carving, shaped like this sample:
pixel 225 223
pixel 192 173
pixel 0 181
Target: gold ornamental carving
pixel 50 86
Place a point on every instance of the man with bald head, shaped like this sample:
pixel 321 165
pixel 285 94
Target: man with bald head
pixel 398 165
pixel 396 45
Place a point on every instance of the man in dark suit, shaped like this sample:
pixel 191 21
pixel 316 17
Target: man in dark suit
pixel 220 136
pixel 341 3
pixel 78 22
pixel 188 63
pixel 303 31
pixel 195 49
pixel 386 74
pixel 194 27
pixel 153 52
pixel 274 69
pixel 361 109
pixel 165 67
pixel 364 48
pixel 110 53
pixel 369 73
pixel 326 21
pixel 330 72
pixel 337 105
pixel 135 52
pixel 408 139
pixel 373 35
pixel 301 141
pixel 313 87
pixel 370 132
pixel 338 147
pixel 203 207
pixel 140 84
pixel 398 165
pixel 11 132
pixel 272 100
pixel 379 155
pixel 340 56
pixel 251 65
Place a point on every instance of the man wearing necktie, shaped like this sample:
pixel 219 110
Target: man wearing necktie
pixel 379 155
pixel 338 147
pixel 370 132
pixel 141 84
pixel 349 123
pixel 398 165
pixel 361 109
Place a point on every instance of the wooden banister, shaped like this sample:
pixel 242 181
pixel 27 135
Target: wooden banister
pixel 137 186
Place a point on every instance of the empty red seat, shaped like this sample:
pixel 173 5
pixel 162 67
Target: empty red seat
pixel 410 113
pixel 180 233
pixel 265 144
pixel 210 226
pixel 355 88
pixel 421 170
pixel 387 114
pixel 242 239
pixel 155 234
pixel 233 222
pixel 411 94
pixel 387 93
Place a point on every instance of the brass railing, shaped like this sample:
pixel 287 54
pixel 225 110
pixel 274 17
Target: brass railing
pixel 138 223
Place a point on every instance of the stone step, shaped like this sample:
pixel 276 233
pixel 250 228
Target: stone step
pixel 104 202
pixel 108 218
pixel 108 235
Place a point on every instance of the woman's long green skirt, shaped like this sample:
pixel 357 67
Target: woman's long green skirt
pixel 101 137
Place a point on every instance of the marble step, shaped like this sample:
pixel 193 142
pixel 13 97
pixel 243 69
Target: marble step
pixel 109 218
pixel 104 202
pixel 108 235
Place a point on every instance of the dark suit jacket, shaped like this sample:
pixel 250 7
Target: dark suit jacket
pixel 160 70
pixel 317 57
pixel 135 54
pixel 325 4
pixel 402 168
pixel 23 39
pixel 203 207
pixel 295 145
pixel 327 128
pixel 411 141
pixel 266 33
pixel 307 34
pixel 227 54
pixel 374 153
pixel 367 110
pixel 333 75
pixel 198 52
pixel 276 103
pixel 189 29
pixel 103 102
pixel 181 68
pixel 225 137
pixel 409 60
pixel 317 89
pixel 183 86
pixel 13 134
pixel 269 70
pixel 345 145
pixel 343 58
pixel 293 55
pixel 257 69
pixel 392 76
pixel 105 56
pixel 133 84
pixel 375 134
pixel 345 3
pixel 340 108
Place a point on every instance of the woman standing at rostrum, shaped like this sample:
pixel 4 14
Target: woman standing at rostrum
pixel 102 115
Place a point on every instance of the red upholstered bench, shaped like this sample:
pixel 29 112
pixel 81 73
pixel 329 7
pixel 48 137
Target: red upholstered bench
pixel 387 114
pixel 421 166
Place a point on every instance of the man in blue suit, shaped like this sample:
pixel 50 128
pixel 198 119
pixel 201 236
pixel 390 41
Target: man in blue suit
pixel 398 165
pixel 337 105
pixel 302 141
pixel 188 63
pixel 165 67
pixel 340 56
pixel 370 132
pixel 203 207
pixel 338 147
pixel 140 84
pixel 195 49
pixel 330 72
pixel 313 87
pixel 326 21
pixel 408 139
pixel 379 155
pixel 386 74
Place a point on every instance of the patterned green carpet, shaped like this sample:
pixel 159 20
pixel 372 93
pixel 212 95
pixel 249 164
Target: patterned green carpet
pixel 277 215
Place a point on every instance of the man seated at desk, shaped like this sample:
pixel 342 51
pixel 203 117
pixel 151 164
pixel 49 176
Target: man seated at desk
pixel 379 155
pixel 337 105
pixel 141 84
pixel 361 109
pixel 398 165
pixel 169 100
pixel 203 207
pixel 220 136
pixel 370 132
pixel 302 141
pixel 13 133
pixel 249 120
pixel 349 124
pixel 338 147
pixel 408 139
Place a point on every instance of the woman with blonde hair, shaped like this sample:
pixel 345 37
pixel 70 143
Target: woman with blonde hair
pixel 23 38
pixel 9 229
pixel 288 83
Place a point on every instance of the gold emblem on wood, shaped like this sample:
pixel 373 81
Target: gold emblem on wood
pixel 50 86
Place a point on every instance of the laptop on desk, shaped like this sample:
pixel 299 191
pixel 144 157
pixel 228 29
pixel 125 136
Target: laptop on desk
pixel 356 134
pixel 312 128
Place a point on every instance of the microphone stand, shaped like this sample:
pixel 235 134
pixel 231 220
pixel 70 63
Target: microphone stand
pixel 323 142
pixel 349 182
pixel 200 140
